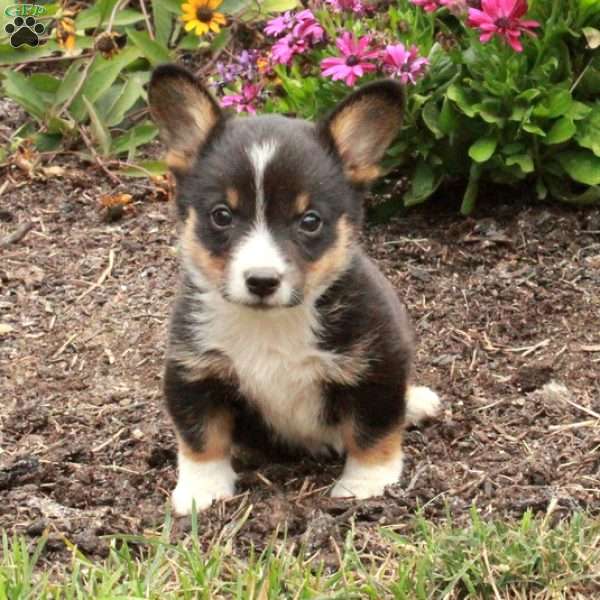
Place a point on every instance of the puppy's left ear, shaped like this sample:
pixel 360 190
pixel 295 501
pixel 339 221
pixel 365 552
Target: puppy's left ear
pixel 362 126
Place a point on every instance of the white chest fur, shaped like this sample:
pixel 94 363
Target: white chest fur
pixel 279 366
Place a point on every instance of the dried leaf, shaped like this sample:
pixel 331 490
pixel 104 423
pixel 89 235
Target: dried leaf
pixel 5 328
pixel 111 201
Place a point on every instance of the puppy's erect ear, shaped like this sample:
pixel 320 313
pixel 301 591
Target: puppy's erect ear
pixel 184 111
pixel 362 127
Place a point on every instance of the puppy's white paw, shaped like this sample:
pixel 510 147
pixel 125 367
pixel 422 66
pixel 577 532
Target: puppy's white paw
pixel 365 481
pixel 201 483
pixel 421 403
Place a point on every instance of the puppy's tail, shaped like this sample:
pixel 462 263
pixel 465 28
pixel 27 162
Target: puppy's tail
pixel 421 403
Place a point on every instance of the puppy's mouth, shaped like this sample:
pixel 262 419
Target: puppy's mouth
pixel 264 304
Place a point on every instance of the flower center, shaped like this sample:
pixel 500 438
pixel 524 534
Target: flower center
pixel 204 14
pixel 503 23
pixel 352 60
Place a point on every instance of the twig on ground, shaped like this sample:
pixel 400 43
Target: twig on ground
pixel 16 235
pixel 147 19
pixel 103 276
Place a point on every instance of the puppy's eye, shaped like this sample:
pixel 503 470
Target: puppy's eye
pixel 311 222
pixel 221 216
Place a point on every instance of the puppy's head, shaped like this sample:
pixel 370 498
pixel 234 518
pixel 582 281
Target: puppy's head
pixel 270 205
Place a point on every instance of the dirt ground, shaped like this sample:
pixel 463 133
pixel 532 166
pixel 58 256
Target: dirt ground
pixel 507 310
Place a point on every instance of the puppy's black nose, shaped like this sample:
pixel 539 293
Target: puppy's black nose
pixel 262 282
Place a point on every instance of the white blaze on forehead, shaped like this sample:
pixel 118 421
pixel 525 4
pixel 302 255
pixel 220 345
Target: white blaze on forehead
pixel 260 155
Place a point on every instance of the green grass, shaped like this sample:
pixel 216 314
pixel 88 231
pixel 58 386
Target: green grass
pixel 525 559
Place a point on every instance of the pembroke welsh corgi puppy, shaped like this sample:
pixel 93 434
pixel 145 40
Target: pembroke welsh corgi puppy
pixel 284 331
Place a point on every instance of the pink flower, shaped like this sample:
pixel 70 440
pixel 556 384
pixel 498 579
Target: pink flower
pixel 279 25
pixel 503 18
pixel 307 27
pixel 243 102
pixel 355 6
pixel 405 64
pixel 427 5
pixel 354 60
pixel 286 48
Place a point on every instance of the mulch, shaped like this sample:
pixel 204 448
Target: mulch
pixel 506 306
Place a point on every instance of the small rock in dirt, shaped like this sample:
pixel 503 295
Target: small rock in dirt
pixel 37 527
pixel 21 471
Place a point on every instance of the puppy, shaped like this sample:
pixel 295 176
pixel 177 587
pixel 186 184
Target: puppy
pixel 283 332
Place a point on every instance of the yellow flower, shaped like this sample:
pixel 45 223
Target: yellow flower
pixel 200 15
pixel 65 34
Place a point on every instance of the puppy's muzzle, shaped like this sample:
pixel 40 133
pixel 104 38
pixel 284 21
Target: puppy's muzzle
pixel 262 282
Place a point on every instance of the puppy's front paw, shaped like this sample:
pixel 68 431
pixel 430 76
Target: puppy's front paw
pixel 200 483
pixel 365 481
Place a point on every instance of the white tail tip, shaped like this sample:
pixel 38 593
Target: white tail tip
pixel 421 403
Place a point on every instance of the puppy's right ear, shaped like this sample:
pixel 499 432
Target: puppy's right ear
pixel 185 113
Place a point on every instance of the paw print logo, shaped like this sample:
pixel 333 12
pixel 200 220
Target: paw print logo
pixel 24 31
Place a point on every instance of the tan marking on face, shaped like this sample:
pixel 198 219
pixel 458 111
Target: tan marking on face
pixel 216 439
pixel 199 366
pixel 334 261
pixel 212 267
pixel 380 452
pixel 233 198
pixel 302 203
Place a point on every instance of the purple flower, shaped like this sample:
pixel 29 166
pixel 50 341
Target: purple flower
pixel 243 102
pixel 279 25
pixel 244 67
pixel 307 27
pixel 404 64
pixel 353 63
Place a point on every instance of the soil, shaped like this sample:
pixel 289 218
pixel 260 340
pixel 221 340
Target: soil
pixel 507 310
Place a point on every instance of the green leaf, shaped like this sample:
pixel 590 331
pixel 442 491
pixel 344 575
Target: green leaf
pixel 145 168
pixel 23 54
pixel 532 128
pixel 128 95
pixel 231 7
pixel 99 131
pixel 448 121
pixel 47 142
pixel 581 165
pixel 136 136
pixel 588 131
pixel 578 111
pixel 69 83
pixel 460 97
pixel 556 104
pixel 524 161
pixel 423 185
pixel 163 23
pixel 101 76
pixel 483 149
pixel 151 49
pixel 269 6
pixel 19 87
pixel 431 118
pixel 91 18
pixel 472 191
pixel 562 130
